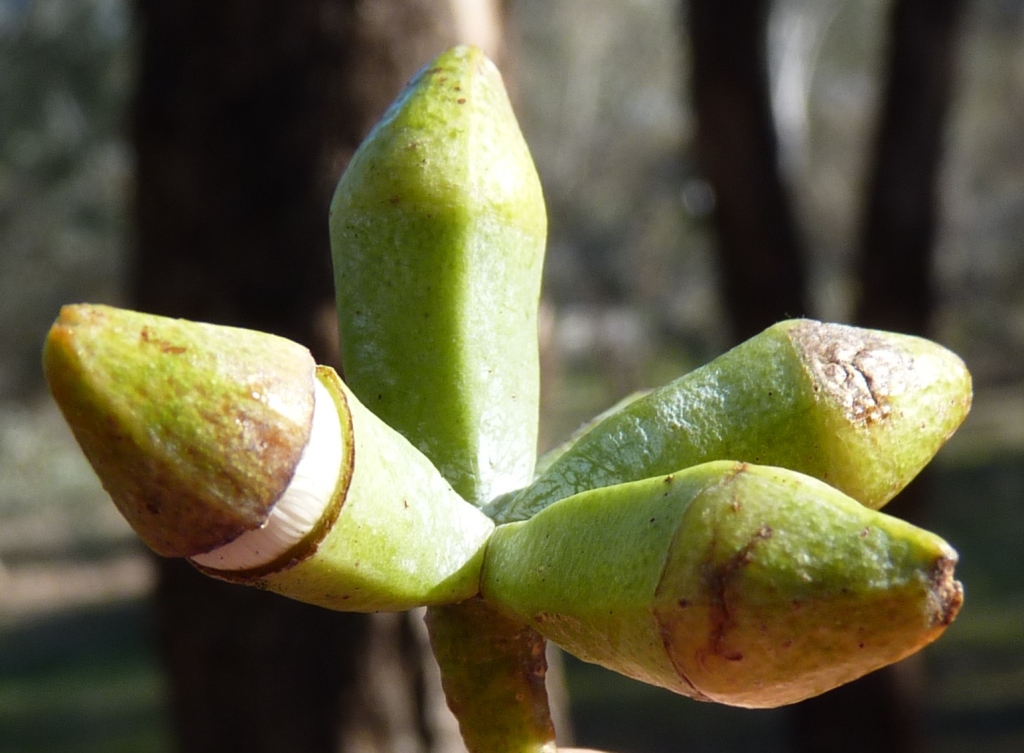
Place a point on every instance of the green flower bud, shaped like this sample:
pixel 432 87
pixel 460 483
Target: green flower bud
pixel 219 444
pixel 860 409
pixel 747 585
pixel 438 230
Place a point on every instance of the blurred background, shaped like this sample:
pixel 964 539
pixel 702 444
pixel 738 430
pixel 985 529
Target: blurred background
pixel 709 168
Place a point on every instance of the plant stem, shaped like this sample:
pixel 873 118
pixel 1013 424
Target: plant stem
pixel 493 670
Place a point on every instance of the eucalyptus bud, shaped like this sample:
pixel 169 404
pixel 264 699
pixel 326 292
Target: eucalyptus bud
pixel 393 535
pixel 231 448
pixel 747 585
pixel 860 409
pixel 437 231
pixel 193 429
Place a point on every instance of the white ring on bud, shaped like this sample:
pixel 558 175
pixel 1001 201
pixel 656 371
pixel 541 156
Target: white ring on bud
pixel 301 505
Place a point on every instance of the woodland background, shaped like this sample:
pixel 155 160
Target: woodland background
pixel 707 171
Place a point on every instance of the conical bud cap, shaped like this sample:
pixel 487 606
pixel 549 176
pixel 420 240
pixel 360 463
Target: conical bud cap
pixel 194 429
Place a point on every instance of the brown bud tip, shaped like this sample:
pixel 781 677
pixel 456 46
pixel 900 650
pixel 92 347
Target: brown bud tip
pixel 947 593
pixel 194 429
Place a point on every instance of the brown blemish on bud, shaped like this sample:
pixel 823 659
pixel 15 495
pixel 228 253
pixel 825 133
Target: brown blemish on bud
pixel 855 368
pixel 948 593
pixel 716 579
pixel 147 338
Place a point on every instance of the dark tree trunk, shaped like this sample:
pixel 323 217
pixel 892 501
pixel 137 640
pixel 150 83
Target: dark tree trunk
pixel 761 265
pixel 246 112
pixel 882 713
pixel 899 224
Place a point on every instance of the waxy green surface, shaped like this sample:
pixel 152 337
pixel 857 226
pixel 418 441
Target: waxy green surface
pixel 437 231
pixel 193 429
pixel 860 409
pixel 396 535
pixel 742 584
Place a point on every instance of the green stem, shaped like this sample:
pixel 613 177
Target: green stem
pixel 493 669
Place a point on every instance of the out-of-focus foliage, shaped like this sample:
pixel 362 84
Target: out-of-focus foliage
pixel 65 81
pixel 602 94
pixel 980 267
pixel 65 76
pixel 603 104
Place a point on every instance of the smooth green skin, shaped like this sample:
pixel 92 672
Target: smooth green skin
pixel 742 584
pixel 862 410
pixel 401 538
pixel 438 230
pixel 193 429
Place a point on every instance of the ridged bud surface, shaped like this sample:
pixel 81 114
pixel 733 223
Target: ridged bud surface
pixel 437 231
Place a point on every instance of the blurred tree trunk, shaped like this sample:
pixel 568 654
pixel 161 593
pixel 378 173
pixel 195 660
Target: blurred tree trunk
pixel 882 713
pixel 761 260
pixel 246 113
pixel 762 269
pixel 899 225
